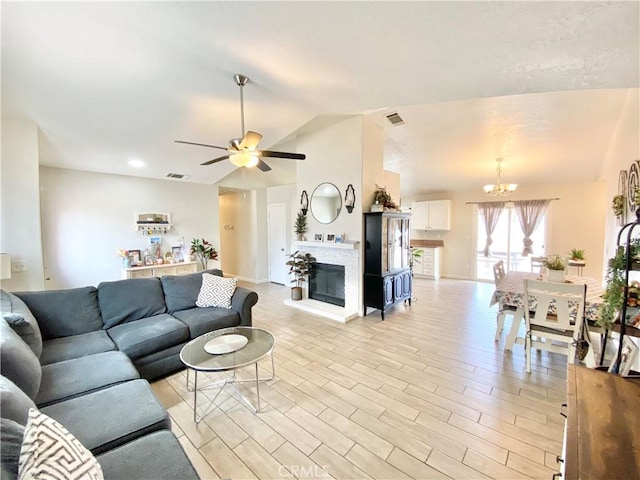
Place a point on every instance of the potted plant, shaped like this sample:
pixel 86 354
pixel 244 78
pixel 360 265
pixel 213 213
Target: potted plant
pixel 300 227
pixel 300 265
pixel 555 266
pixel 382 197
pixel 614 293
pixel 577 255
pixel 203 251
pixel 416 255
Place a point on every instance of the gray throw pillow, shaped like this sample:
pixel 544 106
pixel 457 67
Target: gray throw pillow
pixel 12 434
pixel 20 318
pixel 18 362
pixel 14 403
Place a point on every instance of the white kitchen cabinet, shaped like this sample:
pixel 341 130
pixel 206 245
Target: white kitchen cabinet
pixel 431 215
pixel 430 265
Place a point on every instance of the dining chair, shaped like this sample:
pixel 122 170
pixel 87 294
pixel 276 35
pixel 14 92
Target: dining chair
pixel 557 316
pixel 503 310
pixel 536 262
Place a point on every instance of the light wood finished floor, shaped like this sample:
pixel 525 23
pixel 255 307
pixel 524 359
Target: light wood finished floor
pixel 425 394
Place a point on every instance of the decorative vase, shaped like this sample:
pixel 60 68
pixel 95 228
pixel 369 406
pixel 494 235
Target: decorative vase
pixel 126 262
pixel 555 276
pixel 299 237
pixel 296 293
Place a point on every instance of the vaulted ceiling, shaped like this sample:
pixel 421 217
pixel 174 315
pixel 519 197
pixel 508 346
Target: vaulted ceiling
pixel 539 83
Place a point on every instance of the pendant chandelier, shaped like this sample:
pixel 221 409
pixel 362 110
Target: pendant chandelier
pixel 500 189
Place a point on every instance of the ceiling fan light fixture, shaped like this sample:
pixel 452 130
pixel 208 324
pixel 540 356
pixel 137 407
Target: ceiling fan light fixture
pixel 500 189
pixel 243 159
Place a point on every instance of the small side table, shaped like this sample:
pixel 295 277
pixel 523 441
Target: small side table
pixel 578 265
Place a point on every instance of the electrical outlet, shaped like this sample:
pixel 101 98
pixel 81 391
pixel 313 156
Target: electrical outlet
pixel 18 265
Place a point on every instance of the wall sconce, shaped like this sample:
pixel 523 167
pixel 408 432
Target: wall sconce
pixel 304 202
pixel 350 198
pixel 5 266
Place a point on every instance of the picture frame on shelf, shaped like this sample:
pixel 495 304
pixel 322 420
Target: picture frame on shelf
pixel 317 237
pixel 177 254
pixel 148 260
pixel 331 237
pixel 629 355
pixel 136 258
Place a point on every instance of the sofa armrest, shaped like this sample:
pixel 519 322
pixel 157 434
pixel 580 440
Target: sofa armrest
pixel 242 301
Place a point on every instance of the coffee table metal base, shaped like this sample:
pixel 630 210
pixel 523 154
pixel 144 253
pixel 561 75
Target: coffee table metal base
pixel 223 383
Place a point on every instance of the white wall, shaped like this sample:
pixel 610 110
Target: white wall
pixel 20 204
pixel 577 220
pixel 87 216
pixel 246 242
pixel 334 155
pixel 623 150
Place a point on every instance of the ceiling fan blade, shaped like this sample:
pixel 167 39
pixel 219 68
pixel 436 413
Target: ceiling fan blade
pixel 250 140
pixel 291 156
pixel 215 160
pixel 263 166
pixel 200 144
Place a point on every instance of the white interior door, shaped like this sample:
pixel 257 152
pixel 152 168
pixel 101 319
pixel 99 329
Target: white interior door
pixel 276 214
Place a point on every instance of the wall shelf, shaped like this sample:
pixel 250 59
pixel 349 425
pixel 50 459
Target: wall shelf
pixel 153 223
pixel 344 245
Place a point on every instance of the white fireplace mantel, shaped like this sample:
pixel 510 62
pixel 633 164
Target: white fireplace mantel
pixel 343 246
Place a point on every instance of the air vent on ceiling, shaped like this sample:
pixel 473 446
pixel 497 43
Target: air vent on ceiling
pixel 177 175
pixel 395 119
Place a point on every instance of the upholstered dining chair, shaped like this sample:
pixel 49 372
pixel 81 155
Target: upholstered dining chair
pixel 503 310
pixel 557 316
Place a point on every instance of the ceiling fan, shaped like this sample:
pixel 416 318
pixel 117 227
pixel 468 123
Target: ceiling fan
pixel 243 152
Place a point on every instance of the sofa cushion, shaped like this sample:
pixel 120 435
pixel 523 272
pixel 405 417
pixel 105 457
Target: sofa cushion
pixel 132 299
pixel 148 335
pixel 76 346
pixel 14 403
pixel 68 379
pixel 50 451
pixel 158 456
pixel 20 318
pixel 18 362
pixel 204 320
pixel 181 291
pixel 110 417
pixel 61 313
pixel 216 291
pixel 12 434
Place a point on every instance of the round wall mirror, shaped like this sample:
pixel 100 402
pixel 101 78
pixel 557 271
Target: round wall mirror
pixel 326 203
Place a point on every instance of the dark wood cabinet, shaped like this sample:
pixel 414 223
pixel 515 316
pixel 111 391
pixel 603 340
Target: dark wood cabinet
pixel 387 277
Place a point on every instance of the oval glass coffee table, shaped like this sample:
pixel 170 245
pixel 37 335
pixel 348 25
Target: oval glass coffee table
pixel 234 347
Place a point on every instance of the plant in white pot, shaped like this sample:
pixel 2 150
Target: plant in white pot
pixel 300 265
pixel 555 265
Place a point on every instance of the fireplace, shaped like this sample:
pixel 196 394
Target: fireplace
pixel 326 283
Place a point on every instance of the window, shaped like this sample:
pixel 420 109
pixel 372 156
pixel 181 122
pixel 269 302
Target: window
pixel 507 244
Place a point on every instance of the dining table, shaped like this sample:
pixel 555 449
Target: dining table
pixel 510 293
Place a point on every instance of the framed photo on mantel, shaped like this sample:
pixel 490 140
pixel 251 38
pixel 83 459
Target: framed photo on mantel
pixel 331 237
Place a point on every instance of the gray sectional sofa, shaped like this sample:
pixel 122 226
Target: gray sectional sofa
pixel 83 357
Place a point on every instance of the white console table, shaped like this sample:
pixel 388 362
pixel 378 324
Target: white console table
pixel 181 268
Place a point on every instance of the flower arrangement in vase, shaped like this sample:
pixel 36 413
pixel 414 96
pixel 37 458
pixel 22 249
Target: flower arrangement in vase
pixel 126 259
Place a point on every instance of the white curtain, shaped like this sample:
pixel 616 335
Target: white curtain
pixel 529 214
pixel 490 213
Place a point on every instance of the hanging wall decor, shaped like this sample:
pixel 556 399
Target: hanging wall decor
pixel 350 198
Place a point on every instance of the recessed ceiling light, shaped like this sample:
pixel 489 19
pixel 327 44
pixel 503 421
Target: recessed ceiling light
pixel 137 163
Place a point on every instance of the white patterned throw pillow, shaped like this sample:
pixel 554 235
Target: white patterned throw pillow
pixel 50 451
pixel 216 291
